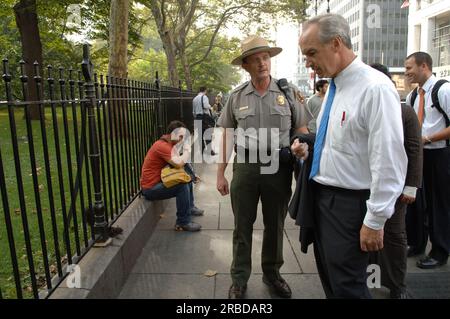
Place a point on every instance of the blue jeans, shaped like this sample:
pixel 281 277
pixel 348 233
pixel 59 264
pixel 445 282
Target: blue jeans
pixel 185 199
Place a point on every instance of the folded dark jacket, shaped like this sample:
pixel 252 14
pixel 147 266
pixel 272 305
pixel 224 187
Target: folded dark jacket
pixel 301 206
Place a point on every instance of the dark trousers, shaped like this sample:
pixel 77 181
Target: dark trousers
pixel 392 258
pixel 417 223
pixel 184 198
pixel 341 263
pixel 436 176
pixel 247 188
pixel 207 122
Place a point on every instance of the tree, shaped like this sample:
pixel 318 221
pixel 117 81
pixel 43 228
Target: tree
pixel 215 71
pixel 176 19
pixel 27 23
pixel 173 20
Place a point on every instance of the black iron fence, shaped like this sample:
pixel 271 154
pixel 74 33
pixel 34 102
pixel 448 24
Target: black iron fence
pixel 67 176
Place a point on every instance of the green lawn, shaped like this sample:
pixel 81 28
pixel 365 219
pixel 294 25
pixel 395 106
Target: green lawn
pixel 7 284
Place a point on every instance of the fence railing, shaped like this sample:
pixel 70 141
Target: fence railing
pixel 67 176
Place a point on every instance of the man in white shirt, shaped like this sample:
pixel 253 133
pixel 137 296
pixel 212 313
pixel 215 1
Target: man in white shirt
pixel 436 155
pixel 201 110
pixel 359 161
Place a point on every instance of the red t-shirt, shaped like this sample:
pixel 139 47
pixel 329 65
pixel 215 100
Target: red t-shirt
pixel 157 157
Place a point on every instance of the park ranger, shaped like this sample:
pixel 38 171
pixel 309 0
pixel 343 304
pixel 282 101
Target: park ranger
pixel 257 119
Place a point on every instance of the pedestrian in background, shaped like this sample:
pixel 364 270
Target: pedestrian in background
pixel 393 257
pixel 433 114
pixel 314 103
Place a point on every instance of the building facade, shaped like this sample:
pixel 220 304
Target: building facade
pixel 429 31
pixel 378 28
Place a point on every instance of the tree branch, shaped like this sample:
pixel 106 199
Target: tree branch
pixel 225 15
pixel 187 18
pixel 198 35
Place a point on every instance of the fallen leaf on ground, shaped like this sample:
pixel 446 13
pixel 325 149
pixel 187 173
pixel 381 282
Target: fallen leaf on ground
pixel 53 269
pixel 210 273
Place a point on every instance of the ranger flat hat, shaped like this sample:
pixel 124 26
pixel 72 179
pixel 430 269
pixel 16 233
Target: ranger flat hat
pixel 255 44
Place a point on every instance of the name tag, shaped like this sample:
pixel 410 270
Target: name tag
pixel 242 108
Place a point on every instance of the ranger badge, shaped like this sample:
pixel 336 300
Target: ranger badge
pixel 280 100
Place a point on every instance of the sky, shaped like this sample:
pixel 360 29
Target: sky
pixel 285 64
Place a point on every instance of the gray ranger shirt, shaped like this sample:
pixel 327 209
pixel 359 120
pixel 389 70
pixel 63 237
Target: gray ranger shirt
pixel 248 110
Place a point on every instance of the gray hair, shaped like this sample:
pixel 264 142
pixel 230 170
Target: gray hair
pixel 331 26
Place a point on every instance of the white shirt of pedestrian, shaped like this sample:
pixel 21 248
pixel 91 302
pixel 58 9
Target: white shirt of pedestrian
pixel 433 120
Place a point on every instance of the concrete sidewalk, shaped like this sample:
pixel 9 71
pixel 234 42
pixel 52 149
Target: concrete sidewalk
pixel 174 264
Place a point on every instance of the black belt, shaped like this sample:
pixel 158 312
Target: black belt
pixel 345 191
pixel 285 156
pixel 247 151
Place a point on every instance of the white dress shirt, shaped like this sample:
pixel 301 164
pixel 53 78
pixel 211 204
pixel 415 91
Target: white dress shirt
pixel 198 107
pixel 363 148
pixel 433 120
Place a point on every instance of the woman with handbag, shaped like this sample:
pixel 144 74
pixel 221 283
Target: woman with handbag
pixel 163 175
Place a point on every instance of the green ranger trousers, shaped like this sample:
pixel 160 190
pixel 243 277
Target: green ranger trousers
pixel 248 186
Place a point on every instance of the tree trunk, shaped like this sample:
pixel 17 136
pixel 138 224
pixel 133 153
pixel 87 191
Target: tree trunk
pixel 169 49
pixel 167 33
pixel 187 70
pixel 118 38
pixel 118 60
pixel 27 23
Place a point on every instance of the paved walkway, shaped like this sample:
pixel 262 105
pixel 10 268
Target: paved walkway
pixel 176 264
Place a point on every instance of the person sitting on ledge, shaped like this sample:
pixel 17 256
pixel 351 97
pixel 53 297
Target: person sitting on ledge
pixel 163 152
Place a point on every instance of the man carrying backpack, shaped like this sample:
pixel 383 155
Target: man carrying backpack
pixel 431 101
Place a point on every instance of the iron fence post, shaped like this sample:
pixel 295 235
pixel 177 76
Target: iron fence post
pixel 159 106
pixel 100 224
pixel 181 101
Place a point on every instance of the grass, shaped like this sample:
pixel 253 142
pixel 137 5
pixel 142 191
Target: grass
pixel 29 207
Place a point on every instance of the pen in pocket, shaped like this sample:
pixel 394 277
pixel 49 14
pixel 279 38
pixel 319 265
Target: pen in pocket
pixel 343 118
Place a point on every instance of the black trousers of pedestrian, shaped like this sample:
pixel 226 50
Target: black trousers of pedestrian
pixel 436 176
pixel 417 222
pixel 392 258
pixel 341 263
pixel 207 122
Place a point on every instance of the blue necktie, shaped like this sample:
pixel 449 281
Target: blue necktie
pixel 320 137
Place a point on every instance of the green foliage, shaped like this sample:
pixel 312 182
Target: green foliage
pixel 144 66
pixel 146 54
pixel 215 71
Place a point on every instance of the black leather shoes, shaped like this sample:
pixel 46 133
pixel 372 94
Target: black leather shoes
pixel 237 292
pixel 430 263
pixel 279 286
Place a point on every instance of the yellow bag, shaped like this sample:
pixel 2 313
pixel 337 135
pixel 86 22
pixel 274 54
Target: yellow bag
pixel 171 176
